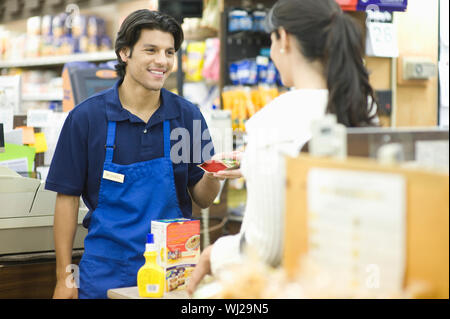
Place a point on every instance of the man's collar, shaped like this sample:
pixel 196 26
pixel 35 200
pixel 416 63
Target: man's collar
pixel 168 109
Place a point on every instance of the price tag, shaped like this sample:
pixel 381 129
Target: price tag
pixel 39 118
pixel 381 40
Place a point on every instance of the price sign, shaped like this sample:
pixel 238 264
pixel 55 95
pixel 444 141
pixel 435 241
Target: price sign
pixel 381 40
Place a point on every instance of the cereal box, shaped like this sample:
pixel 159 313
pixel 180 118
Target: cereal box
pixel 178 245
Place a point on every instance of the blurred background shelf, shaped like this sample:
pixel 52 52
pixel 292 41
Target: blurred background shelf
pixel 59 60
pixel 43 97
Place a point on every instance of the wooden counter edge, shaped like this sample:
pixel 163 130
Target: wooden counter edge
pixel 133 293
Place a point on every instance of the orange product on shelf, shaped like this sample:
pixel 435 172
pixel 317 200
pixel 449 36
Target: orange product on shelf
pixel 256 99
pixel 235 111
pixel 250 107
pixel 227 98
pixel 242 113
pixel 244 102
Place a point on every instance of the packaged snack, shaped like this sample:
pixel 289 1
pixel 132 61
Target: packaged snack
pixel 233 70
pixel 178 247
pixel 81 44
pixel 214 166
pixel 67 45
pixel 262 63
pixel 211 67
pixel 247 72
pixel 33 46
pixel 79 25
pixel 234 20
pixel 46 26
pixel 105 43
pixel 92 44
pixel 34 26
pixel 59 27
pixel 95 26
pixel 258 20
pixel 195 60
pixel 271 77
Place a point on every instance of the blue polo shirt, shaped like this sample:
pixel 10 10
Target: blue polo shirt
pixel 77 164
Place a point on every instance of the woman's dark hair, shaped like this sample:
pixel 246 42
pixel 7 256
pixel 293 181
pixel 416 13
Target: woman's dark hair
pixel 326 34
pixel 130 31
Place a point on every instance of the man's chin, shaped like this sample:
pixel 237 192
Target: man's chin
pixel 154 87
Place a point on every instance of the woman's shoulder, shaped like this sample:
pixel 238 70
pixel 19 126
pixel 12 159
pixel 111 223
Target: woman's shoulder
pixel 291 104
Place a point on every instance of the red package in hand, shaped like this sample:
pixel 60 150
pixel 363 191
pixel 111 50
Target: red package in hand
pixel 213 166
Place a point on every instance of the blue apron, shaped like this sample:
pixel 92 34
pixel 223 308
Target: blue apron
pixel 115 243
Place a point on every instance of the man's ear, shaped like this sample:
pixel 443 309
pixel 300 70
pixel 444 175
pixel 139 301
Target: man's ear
pixel 125 54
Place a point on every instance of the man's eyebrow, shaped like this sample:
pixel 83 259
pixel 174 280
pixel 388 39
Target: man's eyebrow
pixel 155 46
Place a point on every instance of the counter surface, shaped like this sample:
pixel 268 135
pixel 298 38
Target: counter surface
pixel 133 293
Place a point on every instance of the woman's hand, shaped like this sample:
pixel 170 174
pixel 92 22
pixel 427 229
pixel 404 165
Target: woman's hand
pixel 202 269
pixel 228 173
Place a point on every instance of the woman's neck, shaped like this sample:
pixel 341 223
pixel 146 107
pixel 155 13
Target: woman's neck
pixel 309 76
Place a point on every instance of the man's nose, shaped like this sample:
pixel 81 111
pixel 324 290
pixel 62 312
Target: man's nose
pixel 161 58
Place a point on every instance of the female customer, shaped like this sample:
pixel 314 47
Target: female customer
pixel 318 51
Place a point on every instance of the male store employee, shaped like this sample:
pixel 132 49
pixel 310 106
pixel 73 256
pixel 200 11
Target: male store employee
pixel 117 151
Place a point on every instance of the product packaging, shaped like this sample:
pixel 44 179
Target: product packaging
pixel 178 247
pixel 195 60
pixel 214 166
pixel 258 20
pixel 239 20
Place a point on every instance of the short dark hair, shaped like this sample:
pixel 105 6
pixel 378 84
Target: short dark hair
pixel 130 31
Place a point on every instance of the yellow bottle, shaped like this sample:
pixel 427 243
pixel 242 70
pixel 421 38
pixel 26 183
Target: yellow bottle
pixel 151 276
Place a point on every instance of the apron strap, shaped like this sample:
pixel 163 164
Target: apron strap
pixel 166 128
pixel 110 139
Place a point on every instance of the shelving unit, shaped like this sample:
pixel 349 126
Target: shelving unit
pixel 59 60
pixel 238 45
pixel 55 62
pixel 42 97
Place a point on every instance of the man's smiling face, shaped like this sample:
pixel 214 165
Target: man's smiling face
pixel 152 59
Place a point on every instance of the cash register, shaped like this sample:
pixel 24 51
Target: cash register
pixel 82 80
pixel 26 215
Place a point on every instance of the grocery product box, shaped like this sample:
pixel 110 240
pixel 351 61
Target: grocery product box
pixel 178 245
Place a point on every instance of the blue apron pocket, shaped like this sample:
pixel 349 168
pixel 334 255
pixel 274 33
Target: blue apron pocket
pixel 98 274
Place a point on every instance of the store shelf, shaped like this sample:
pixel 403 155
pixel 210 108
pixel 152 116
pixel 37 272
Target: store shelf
pixel 59 60
pixel 42 97
pixel 200 34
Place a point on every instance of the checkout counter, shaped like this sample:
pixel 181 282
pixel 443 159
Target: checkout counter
pixel 27 258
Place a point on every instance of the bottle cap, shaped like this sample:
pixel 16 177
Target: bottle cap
pixel 150 238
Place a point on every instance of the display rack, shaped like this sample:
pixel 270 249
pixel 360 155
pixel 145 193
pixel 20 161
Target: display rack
pixel 59 60
pixel 13 10
pixel 43 97
pixel 235 46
